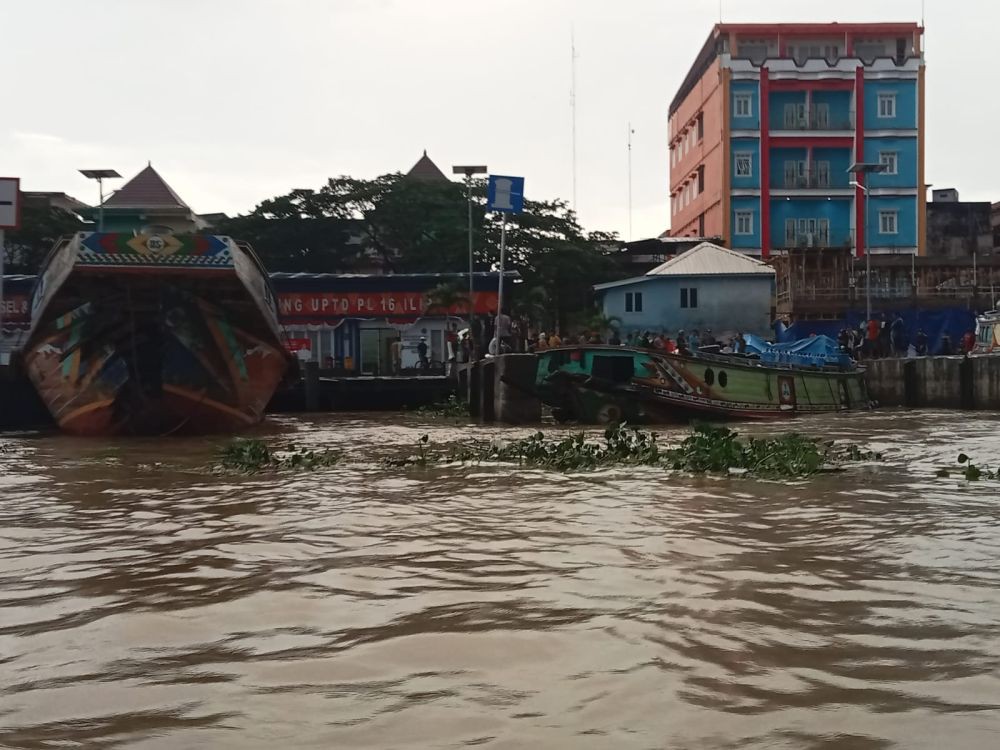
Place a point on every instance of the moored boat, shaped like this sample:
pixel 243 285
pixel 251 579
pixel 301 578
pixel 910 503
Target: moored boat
pixel 154 333
pixel 988 333
pixel 603 384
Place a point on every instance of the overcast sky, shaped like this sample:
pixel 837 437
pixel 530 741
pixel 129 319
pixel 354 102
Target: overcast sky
pixel 235 101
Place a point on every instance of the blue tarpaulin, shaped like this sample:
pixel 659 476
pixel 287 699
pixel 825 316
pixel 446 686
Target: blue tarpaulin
pixel 815 351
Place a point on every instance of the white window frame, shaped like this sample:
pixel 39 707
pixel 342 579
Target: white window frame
pixel 633 302
pixel 743 155
pixel 742 105
pixel 890 160
pixel 889 109
pixel 745 218
pixel 887 217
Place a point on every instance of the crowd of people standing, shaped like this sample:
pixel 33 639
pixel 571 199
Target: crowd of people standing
pixel 881 337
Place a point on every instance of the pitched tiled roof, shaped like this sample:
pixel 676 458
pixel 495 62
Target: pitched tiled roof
pixel 146 190
pixel 425 169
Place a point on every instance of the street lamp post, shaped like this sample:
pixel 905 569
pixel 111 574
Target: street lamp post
pixel 469 172
pixel 100 175
pixel 866 168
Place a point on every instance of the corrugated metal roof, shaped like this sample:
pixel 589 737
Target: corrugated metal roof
pixel 710 259
pixel 705 259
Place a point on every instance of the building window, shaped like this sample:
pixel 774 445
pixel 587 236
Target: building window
pixel 744 164
pixel 689 297
pixel 700 124
pixel 744 222
pixel 889 159
pixel 888 222
pixel 743 105
pixel 633 301
pixel 886 105
pixel 701 179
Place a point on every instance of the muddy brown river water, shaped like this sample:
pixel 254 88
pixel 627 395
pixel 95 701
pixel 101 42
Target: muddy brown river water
pixel 146 602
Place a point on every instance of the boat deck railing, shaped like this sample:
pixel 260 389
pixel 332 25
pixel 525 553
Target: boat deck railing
pixel 747 360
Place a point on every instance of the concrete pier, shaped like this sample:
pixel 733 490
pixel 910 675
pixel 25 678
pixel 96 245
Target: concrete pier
pixel 936 382
pixel 514 400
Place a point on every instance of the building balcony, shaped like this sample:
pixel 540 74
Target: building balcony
pixel 810 180
pixel 819 238
pixel 814 118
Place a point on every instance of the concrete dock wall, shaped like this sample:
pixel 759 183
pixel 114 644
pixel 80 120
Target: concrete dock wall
pixel 936 382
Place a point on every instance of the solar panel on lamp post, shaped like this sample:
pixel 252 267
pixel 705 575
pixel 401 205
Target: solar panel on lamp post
pixel 100 175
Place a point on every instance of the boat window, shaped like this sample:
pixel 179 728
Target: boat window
pixel 723 379
pixel 615 369
pixel 709 376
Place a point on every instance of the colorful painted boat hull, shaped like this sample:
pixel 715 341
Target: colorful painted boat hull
pixel 152 346
pixel 609 384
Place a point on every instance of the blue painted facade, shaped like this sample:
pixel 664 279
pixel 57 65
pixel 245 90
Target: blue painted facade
pixel 905 93
pixel 836 212
pixel 751 205
pixel 906 152
pixel 808 177
pixel 751 121
pixel 739 146
pixel 725 304
pixel 905 208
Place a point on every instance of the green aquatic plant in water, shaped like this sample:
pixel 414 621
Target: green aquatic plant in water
pixel 970 471
pixel 251 456
pixel 453 408
pixel 709 449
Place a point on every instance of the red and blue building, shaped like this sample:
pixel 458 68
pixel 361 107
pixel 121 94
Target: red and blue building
pixel 770 118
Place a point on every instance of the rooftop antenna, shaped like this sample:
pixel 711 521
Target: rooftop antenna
pixel 628 137
pixel 572 103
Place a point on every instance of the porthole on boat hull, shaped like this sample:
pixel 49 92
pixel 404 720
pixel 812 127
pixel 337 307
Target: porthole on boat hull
pixel 723 379
pixel 709 376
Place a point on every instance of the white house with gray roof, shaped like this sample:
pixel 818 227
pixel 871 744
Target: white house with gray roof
pixel 706 288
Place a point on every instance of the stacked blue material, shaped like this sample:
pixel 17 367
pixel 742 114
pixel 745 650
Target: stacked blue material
pixel 815 351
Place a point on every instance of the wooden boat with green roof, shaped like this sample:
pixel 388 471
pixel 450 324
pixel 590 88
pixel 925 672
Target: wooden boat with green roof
pixel 604 384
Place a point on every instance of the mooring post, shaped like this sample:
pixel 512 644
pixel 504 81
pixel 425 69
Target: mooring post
pixel 312 385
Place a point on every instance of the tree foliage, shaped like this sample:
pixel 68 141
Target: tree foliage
pixel 41 226
pixel 401 224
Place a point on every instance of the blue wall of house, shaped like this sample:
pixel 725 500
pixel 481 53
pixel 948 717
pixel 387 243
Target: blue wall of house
pixel 836 210
pixel 906 221
pixel 906 104
pixel 744 123
pixel 745 203
pixel 906 161
pixel 752 147
pixel 725 304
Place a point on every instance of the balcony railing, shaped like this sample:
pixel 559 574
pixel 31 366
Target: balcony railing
pixel 810 180
pixel 819 238
pixel 814 119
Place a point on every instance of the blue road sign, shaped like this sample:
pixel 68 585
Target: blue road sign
pixel 505 194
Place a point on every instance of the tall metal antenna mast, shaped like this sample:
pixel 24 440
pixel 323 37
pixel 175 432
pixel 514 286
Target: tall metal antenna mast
pixel 629 141
pixel 572 104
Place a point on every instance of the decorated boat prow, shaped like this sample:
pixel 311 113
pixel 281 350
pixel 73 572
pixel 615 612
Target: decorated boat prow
pixel 154 333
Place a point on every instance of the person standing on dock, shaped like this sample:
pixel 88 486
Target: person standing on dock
pixel 422 354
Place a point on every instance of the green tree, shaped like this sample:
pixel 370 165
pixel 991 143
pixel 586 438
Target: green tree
pixel 41 226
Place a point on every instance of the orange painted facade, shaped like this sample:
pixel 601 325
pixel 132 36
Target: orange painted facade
pixel 694 211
